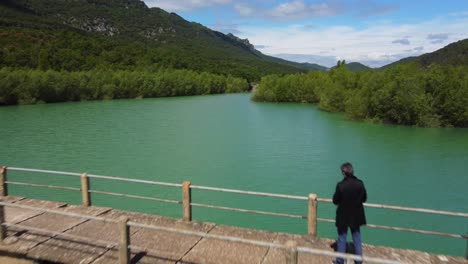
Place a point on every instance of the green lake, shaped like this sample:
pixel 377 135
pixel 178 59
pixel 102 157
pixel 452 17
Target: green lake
pixel 231 142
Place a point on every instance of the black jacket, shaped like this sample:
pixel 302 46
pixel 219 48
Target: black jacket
pixel 350 194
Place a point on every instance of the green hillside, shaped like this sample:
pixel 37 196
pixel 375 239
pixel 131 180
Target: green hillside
pixel 453 54
pixel 355 66
pixel 77 35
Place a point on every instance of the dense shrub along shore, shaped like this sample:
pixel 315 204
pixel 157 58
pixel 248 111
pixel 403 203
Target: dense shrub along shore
pixel 22 86
pixel 407 94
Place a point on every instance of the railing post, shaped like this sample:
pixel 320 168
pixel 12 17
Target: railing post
pixel 3 179
pixel 312 215
pixel 186 200
pixel 291 252
pixel 85 190
pixel 2 221
pixel 124 251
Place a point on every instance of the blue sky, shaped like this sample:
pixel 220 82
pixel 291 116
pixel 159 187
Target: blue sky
pixel 374 32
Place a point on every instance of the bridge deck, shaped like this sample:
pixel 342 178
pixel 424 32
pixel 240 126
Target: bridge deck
pixel 160 246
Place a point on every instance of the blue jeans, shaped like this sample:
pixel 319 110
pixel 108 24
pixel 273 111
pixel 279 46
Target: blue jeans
pixel 341 243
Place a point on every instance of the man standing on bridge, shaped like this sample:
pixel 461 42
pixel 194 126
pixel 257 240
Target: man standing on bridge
pixel 350 194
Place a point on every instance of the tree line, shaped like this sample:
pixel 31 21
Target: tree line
pixel 27 86
pixel 407 94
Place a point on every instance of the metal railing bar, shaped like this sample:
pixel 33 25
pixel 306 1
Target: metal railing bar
pixel 136 197
pixel 326 220
pixel 43 186
pixel 294 197
pixel 106 244
pixel 404 229
pixel 206 235
pixel 419 210
pixel 247 211
pixel 411 230
pixel 134 180
pixel 345 256
pixel 44 171
pixel 89 217
pixel 404 208
pixel 258 243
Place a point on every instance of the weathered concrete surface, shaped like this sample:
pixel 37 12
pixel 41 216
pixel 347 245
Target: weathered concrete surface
pixel 409 256
pixel 15 215
pixel 276 256
pixel 10 260
pixel 161 246
pixel 11 199
pixel 213 250
pixel 152 246
pixel 20 241
pixel 63 250
pixel 111 257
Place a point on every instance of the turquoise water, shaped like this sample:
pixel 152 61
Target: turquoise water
pixel 229 141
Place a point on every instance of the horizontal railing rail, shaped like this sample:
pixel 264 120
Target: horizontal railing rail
pixel 45 171
pixel 247 211
pixel 403 208
pixel 46 232
pixel 188 204
pixel 124 243
pixel 136 197
pixel 134 180
pixel 294 197
pixel 43 186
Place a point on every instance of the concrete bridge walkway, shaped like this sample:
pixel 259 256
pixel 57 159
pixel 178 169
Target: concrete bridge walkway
pixel 158 246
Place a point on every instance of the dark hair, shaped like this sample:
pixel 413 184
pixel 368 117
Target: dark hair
pixel 347 169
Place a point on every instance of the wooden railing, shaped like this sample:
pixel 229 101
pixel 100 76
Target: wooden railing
pixel 187 202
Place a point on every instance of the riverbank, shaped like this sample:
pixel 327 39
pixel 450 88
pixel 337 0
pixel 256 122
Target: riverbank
pixel 436 96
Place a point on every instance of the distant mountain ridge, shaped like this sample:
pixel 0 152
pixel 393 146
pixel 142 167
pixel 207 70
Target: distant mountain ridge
pixel 355 67
pixel 453 54
pixel 81 34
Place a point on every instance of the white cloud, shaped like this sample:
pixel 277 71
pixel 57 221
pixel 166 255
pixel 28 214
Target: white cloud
pixel 293 10
pixel 464 13
pixel 403 41
pixel 184 5
pixel 372 44
pixel 226 28
pixel 285 10
pixel 299 9
pixel 243 9
pixel 438 38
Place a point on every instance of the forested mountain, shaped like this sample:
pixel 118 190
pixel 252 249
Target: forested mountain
pixel 302 65
pixel 77 35
pixel 355 66
pixel 453 54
